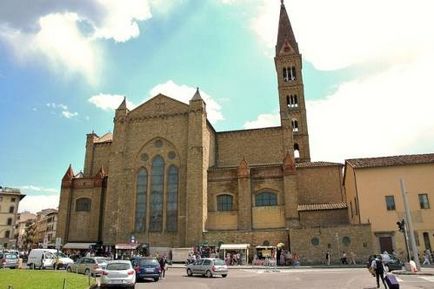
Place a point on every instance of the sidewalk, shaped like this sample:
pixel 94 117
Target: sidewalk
pixel 180 265
pixel 424 271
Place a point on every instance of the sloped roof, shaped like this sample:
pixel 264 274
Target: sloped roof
pixel 316 164
pixel 320 207
pixel 108 137
pixel 391 161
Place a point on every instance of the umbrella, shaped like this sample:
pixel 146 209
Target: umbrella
pixel 280 245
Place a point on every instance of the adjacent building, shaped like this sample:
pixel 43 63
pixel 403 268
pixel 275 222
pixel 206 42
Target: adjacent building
pixel 166 177
pixel 9 201
pixel 374 196
pixel 46 225
pixel 24 221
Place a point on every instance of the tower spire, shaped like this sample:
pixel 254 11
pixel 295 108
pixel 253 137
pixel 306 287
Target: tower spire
pixel 285 33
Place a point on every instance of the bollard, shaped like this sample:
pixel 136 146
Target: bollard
pixel 64 283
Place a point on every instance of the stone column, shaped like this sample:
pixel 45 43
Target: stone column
pixel 244 197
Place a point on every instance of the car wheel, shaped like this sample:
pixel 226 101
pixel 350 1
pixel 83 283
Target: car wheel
pixel 224 275
pixel 68 269
pixel 208 274
pixel 156 279
pixel 87 272
pixel 189 273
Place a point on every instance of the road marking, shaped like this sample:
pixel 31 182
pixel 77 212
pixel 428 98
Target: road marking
pixel 428 278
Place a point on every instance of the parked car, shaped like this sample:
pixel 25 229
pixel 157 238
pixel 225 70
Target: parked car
pixel 92 266
pixel 391 262
pixel 8 260
pixel 208 267
pixel 118 273
pixel 47 258
pixel 146 268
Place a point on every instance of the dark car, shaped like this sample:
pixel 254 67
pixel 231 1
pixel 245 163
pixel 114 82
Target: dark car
pixel 146 268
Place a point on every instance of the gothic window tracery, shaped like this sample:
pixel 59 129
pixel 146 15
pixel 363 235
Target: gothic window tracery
pixel 172 200
pixel 294 124
pixel 156 200
pixel 141 192
pixel 289 73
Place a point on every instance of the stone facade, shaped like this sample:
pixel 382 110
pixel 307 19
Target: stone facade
pixel 168 178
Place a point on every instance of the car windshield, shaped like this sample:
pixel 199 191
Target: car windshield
pixel 10 256
pixel 101 260
pixel 118 266
pixel 144 262
pixel 61 255
pixel 219 262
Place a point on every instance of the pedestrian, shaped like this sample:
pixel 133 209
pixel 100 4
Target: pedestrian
pixel 353 257
pixel 426 258
pixel 163 266
pixel 328 258
pixel 377 265
pixel 344 258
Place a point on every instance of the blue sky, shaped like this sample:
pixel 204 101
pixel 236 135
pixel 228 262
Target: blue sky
pixel 65 65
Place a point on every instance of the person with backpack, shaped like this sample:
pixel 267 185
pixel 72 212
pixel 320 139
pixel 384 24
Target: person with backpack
pixel 378 267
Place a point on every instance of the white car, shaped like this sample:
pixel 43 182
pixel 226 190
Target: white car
pixel 47 258
pixel 118 273
pixel 208 267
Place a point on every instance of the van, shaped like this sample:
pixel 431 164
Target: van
pixel 47 258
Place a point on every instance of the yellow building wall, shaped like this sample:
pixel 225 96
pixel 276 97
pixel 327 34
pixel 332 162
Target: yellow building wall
pixel 374 184
pixel 268 217
pixel 222 220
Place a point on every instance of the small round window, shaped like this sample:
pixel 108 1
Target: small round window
pixel 315 241
pixel 144 157
pixel 346 241
pixel 172 155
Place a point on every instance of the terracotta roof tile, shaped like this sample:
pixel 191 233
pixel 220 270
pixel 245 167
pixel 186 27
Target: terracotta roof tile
pixel 391 161
pixel 320 207
pixel 108 137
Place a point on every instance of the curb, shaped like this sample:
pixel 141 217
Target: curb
pixel 420 273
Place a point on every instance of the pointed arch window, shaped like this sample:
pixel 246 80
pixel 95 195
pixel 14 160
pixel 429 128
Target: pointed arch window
pixel 83 205
pixel 296 151
pixel 291 100
pixel 141 194
pixel 224 203
pixel 266 199
pixel 172 200
pixel 294 124
pixel 156 200
pixel 289 73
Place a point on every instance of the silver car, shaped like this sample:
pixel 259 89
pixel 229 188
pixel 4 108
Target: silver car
pixel 208 267
pixel 118 273
pixel 92 266
pixel 8 260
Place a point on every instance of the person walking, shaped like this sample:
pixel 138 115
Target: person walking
pixel 377 265
pixel 328 258
pixel 344 258
pixel 353 257
pixel 163 266
pixel 426 258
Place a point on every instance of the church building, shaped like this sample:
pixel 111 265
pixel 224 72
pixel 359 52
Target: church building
pixel 167 178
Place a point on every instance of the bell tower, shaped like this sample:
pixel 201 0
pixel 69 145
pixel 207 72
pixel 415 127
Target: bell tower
pixel 288 64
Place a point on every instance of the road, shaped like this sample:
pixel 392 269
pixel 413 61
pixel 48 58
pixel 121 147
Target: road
pixel 345 278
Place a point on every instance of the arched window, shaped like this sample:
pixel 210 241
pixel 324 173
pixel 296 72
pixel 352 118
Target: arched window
pixel 265 199
pixel 294 123
pixel 296 151
pixel 11 209
pixel 224 203
pixel 83 205
pixel 172 200
pixel 156 201
pixel 292 100
pixel 141 192
pixel 7 234
pixel 9 221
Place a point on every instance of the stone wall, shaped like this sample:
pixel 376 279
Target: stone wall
pixel 256 146
pixel 324 217
pixel 312 243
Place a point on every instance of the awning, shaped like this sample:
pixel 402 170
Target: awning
pixel 126 246
pixel 78 245
pixel 234 246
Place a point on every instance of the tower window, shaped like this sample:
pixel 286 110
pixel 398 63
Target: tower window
pixel 293 75
pixel 296 151
pixel 291 100
pixel 294 123
pixel 289 73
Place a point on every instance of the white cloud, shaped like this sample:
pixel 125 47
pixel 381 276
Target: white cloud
pixel 37 203
pixel 109 101
pixel 65 32
pixel 64 111
pixel 69 114
pixel 263 120
pixel 184 93
pixel 32 188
